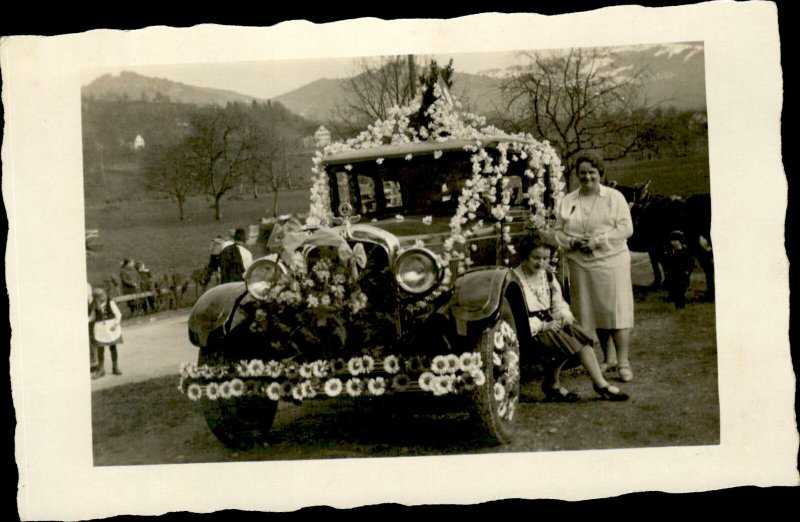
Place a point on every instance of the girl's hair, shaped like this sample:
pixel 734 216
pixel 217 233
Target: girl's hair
pixel 593 159
pixel 98 292
pixel 530 243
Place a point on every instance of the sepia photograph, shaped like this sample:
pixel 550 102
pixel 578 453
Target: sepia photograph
pixel 342 269
pixel 442 261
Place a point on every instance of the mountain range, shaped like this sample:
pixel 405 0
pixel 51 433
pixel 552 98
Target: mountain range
pixel 676 79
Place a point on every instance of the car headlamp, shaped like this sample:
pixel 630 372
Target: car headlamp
pixel 417 271
pixel 262 274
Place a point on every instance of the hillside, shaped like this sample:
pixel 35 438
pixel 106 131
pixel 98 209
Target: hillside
pixel 133 86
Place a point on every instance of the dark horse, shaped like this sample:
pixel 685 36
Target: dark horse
pixel 655 217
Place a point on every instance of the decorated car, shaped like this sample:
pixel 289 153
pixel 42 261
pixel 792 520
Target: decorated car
pixel 399 281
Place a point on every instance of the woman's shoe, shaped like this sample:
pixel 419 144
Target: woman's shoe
pixel 625 374
pixel 606 367
pixel 560 394
pixel 610 393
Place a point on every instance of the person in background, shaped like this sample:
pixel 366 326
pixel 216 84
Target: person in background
pixel 680 264
pixel 235 259
pixel 593 224
pixel 92 347
pixel 146 285
pixel 217 246
pixel 129 279
pixel 552 328
pixel 106 331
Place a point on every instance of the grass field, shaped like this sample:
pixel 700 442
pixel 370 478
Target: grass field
pixel 683 176
pixel 149 231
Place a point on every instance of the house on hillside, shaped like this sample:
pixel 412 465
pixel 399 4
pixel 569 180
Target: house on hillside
pixel 322 137
pixel 138 143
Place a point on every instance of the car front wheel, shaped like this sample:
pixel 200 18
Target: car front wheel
pixel 496 400
pixel 238 422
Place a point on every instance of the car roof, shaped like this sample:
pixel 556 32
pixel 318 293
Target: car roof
pixel 417 148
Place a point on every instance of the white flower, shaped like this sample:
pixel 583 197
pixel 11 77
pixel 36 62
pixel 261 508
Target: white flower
pixel 212 391
pixel 306 371
pixel 443 385
pixel 480 377
pixel 326 300
pixel 320 368
pixel 502 410
pixel 354 387
pixel 437 154
pixel 369 363
pixel 255 367
pixel 466 363
pixel 408 157
pixel 274 391
pixel 499 340
pixel 313 301
pixel 333 387
pixel 419 243
pixel 439 365
pixel 399 217
pixel 194 392
pixel 348 167
pixel 499 392
pixel 379 161
pixel 225 390
pixel 355 366
pixel 391 364
pixel 297 393
pixel 273 369
pixel 452 362
pixel 307 389
pixel 237 387
pixel 427 220
pixel 426 381
pixel 376 386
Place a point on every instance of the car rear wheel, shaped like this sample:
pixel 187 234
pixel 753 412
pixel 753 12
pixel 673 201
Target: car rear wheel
pixel 495 402
pixel 238 422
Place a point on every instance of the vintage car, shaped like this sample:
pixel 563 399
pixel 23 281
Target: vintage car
pixel 401 281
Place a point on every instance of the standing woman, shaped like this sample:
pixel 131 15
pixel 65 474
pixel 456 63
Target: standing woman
pixel 593 224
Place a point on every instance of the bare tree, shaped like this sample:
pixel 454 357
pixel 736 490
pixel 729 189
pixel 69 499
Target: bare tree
pixel 168 170
pixel 381 84
pixel 224 147
pixel 577 100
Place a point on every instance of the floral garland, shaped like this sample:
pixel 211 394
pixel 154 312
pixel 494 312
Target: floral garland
pixel 505 359
pixel 324 284
pixel 543 168
pixel 357 376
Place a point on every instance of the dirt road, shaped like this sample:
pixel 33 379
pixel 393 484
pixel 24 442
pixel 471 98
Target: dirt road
pixel 154 346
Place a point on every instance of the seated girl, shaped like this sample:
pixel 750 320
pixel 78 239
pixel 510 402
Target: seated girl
pixel 552 328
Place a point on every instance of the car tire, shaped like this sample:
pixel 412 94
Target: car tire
pixel 496 417
pixel 238 422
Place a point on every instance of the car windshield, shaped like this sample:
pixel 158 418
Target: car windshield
pixel 420 185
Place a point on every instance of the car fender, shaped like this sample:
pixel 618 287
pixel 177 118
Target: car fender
pixel 213 310
pixel 477 295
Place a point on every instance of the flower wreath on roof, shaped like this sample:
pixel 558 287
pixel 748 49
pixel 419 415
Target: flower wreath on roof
pixel 542 167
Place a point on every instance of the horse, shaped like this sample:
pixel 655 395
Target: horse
pixel 655 217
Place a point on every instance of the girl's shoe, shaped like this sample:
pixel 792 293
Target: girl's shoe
pixel 606 367
pixel 625 373
pixel 610 393
pixel 560 394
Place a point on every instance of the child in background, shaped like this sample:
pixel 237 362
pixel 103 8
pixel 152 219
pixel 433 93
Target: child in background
pixel 552 328
pixel 106 330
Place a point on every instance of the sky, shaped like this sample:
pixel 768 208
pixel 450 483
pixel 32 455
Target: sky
pixel 269 79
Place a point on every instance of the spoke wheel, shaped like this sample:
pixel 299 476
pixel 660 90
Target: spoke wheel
pixel 496 401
